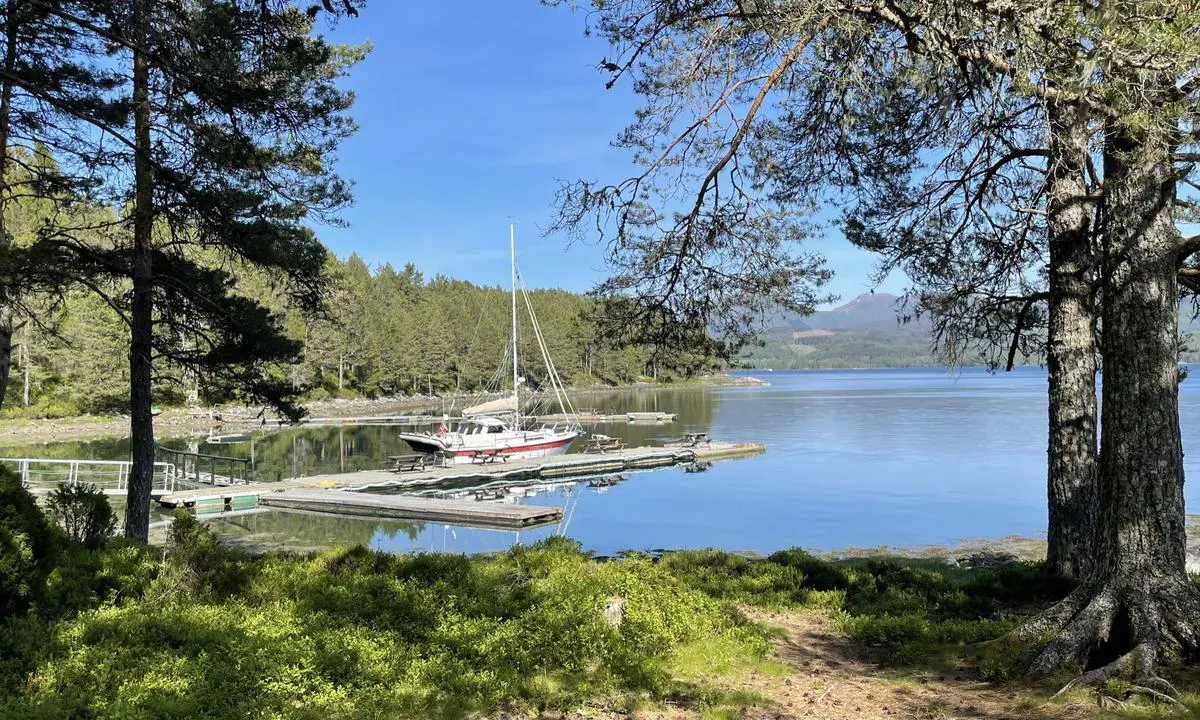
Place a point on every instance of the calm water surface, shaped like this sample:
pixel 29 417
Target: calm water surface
pixel 857 457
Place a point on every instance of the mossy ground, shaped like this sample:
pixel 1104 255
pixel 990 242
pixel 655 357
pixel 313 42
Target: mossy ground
pixel 205 631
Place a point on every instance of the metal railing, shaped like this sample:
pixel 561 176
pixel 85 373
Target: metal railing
pixel 194 467
pixel 111 476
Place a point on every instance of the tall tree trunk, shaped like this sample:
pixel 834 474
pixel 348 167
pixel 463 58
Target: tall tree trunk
pixel 1136 597
pixel 7 284
pixel 191 378
pixel 141 420
pixel 25 368
pixel 1071 359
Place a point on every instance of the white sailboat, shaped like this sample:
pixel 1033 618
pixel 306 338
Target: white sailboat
pixel 494 427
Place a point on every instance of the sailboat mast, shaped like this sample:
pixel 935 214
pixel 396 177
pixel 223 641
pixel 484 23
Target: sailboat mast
pixel 512 248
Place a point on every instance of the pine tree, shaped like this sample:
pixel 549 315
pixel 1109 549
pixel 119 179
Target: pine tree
pixel 245 94
pixel 52 79
pixel 825 93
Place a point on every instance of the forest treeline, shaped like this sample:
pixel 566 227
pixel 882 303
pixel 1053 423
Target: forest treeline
pixel 384 332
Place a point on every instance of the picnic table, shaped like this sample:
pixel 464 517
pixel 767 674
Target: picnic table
pixel 598 443
pixel 693 439
pixel 398 463
pixel 488 456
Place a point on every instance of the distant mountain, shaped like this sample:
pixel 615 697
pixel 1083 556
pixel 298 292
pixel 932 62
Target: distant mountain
pixel 864 332
pixel 867 310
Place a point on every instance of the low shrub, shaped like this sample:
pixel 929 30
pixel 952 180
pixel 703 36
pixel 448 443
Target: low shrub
pixel 207 631
pixel 1007 659
pixel 27 546
pixel 735 578
pixel 353 633
pixel 888 631
pixel 909 608
pixel 83 513
pixel 199 564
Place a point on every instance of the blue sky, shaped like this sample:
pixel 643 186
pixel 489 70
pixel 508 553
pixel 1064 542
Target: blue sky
pixel 472 113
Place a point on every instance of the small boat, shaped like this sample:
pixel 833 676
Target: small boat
pixel 493 430
pixel 650 416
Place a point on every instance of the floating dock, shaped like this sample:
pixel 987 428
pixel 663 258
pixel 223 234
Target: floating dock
pixel 592 418
pixel 350 493
pixel 455 512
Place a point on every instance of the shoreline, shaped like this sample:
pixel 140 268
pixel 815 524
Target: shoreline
pixel 181 422
pixel 964 553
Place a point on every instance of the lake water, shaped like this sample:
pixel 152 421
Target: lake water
pixel 854 458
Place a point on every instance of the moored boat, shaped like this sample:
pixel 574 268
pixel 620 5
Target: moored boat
pixel 494 430
pixel 491 435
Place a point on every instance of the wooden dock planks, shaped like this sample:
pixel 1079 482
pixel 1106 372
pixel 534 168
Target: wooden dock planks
pixel 457 512
pixel 328 493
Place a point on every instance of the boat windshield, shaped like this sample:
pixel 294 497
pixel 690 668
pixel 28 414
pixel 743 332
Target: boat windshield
pixel 481 426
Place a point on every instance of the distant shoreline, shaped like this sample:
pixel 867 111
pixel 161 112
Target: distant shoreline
pixel 965 552
pixel 182 422
pixel 947 368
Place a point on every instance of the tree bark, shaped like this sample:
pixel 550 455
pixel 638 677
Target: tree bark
pixel 25 368
pixel 141 420
pixel 7 284
pixel 1071 358
pixel 1136 601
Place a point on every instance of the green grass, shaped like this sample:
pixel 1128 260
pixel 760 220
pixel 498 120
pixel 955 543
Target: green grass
pixel 204 630
pixel 1143 709
pixel 908 608
pixel 353 633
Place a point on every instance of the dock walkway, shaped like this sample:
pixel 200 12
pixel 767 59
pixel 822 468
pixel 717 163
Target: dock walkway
pixel 458 512
pixel 349 493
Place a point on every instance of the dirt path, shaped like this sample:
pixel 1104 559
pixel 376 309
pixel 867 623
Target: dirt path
pixel 827 676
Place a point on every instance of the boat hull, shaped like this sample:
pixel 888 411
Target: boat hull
pixel 463 450
pixel 535 449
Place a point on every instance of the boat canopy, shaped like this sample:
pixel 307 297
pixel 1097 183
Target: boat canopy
pixel 506 404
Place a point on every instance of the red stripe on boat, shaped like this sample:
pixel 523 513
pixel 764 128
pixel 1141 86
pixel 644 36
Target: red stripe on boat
pixel 516 449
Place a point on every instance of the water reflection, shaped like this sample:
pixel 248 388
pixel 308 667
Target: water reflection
pixel 307 451
pixel 873 457
pixel 306 532
pixel 267 531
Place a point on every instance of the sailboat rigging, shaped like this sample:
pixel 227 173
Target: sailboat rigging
pixel 494 427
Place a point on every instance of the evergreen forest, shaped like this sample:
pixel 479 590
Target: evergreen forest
pixel 384 332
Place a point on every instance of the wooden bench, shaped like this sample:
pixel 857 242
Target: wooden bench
pixel 603 444
pixel 694 439
pixel 398 463
pixel 488 456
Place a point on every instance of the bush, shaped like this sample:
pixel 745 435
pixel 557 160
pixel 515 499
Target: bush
pixel 908 608
pixel 84 579
pixel 83 513
pixel 1008 659
pixel 199 563
pixel 353 633
pixel 27 546
pixel 818 574
pixel 734 578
